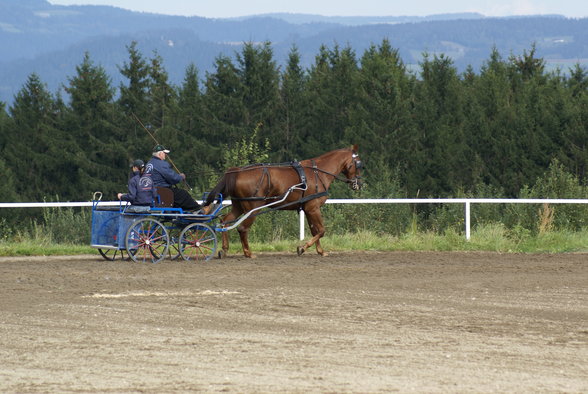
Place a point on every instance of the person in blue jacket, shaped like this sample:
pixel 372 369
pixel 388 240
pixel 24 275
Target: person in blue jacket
pixel 141 189
pixel 163 175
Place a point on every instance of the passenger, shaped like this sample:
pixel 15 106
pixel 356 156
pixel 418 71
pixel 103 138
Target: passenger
pixel 141 189
pixel 163 175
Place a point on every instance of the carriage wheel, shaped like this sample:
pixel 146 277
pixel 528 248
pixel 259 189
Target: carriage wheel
pixel 197 242
pixel 112 254
pixel 174 242
pixel 147 240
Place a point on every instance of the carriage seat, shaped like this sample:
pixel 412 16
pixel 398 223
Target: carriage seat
pixel 107 208
pixel 165 197
pixel 137 209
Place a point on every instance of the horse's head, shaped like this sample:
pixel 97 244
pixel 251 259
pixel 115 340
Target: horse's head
pixel 352 170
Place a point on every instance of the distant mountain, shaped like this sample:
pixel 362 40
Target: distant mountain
pixel 362 20
pixel 36 36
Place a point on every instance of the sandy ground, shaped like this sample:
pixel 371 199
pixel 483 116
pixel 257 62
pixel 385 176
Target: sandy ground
pixel 350 322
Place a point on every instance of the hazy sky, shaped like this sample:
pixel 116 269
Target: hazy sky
pixel 231 8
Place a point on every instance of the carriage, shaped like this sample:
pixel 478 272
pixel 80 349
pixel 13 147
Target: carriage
pixel 150 234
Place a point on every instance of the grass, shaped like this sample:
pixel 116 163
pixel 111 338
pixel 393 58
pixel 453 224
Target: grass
pixel 494 238
pixel 31 248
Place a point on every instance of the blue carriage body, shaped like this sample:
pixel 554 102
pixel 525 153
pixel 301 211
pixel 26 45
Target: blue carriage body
pixel 110 226
pixel 119 227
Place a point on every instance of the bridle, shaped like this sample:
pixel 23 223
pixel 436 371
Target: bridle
pixel 356 180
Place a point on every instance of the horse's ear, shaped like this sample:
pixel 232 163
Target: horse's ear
pixel 355 148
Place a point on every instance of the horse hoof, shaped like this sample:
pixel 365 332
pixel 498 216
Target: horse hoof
pixel 221 254
pixel 299 250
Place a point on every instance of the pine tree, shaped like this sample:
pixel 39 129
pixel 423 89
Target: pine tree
pixel 133 95
pixel 381 120
pixel 575 136
pixel 259 77
pixel 291 111
pixel 439 115
pixel 91 124
pixel 196 155
pixel 40 155
pixel 161 96
pixel 133 105
pixel 8 192
pixel 224 109
pixel 331 95
pixel 489 112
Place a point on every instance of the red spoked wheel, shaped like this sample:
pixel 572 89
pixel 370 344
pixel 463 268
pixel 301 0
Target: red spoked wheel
pixel 197 242
pixel 147 240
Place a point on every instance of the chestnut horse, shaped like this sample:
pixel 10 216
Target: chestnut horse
pixel 300 185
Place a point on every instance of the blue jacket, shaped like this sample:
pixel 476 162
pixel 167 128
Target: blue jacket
pixel 141 190
pixel 161 173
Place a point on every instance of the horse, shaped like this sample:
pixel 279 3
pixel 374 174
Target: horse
pixel 300 185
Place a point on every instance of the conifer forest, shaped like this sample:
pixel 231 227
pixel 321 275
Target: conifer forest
pixel 426 132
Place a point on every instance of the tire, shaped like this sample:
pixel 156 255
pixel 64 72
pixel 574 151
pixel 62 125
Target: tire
pixel 112 254
pixel 174 241
pixel 197 242
pixel 147 240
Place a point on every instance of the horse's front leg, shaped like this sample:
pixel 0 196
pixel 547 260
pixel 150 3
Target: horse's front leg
pixel 317 229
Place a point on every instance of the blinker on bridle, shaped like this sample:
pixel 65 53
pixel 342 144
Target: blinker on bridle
pixel 356 181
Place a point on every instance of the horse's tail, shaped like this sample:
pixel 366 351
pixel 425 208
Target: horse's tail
pixel 224 186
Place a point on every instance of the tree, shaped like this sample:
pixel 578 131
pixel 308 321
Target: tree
pixel 331 95
pixel 161 97
pixel 197 155
pixel 189 111
pixel 91 125
pixel 439 116
pixel 37 152
pixel 381 119
pixel 575 136
pixel 133 105
pixel 224 109
pixel 8 192
pixel 259 77
pixel 133 96
pixel 291 111
pixel 489 112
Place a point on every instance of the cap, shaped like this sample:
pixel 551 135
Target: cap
pixel 160 148
pixel 138 163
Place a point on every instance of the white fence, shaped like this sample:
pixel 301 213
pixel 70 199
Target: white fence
pixel 467 202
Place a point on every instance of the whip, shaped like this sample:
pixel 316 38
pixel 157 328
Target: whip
pixel 157 143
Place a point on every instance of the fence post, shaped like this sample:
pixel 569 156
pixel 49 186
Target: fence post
pixel 301 217
pixel 467 220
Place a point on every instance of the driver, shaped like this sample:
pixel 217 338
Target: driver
pixel 163 175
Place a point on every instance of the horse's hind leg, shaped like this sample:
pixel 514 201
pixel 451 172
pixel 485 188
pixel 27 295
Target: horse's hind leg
pixel 229 217
pixel 225 247
pixel 243 230
pixel 317 229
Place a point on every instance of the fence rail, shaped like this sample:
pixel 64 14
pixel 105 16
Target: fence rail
pixel 467 202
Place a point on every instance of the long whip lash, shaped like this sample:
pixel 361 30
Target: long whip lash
pixel 157 143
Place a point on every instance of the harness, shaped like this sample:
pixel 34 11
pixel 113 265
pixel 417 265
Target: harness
pixel 302 185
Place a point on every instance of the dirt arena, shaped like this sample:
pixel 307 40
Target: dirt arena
pixel 350 322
